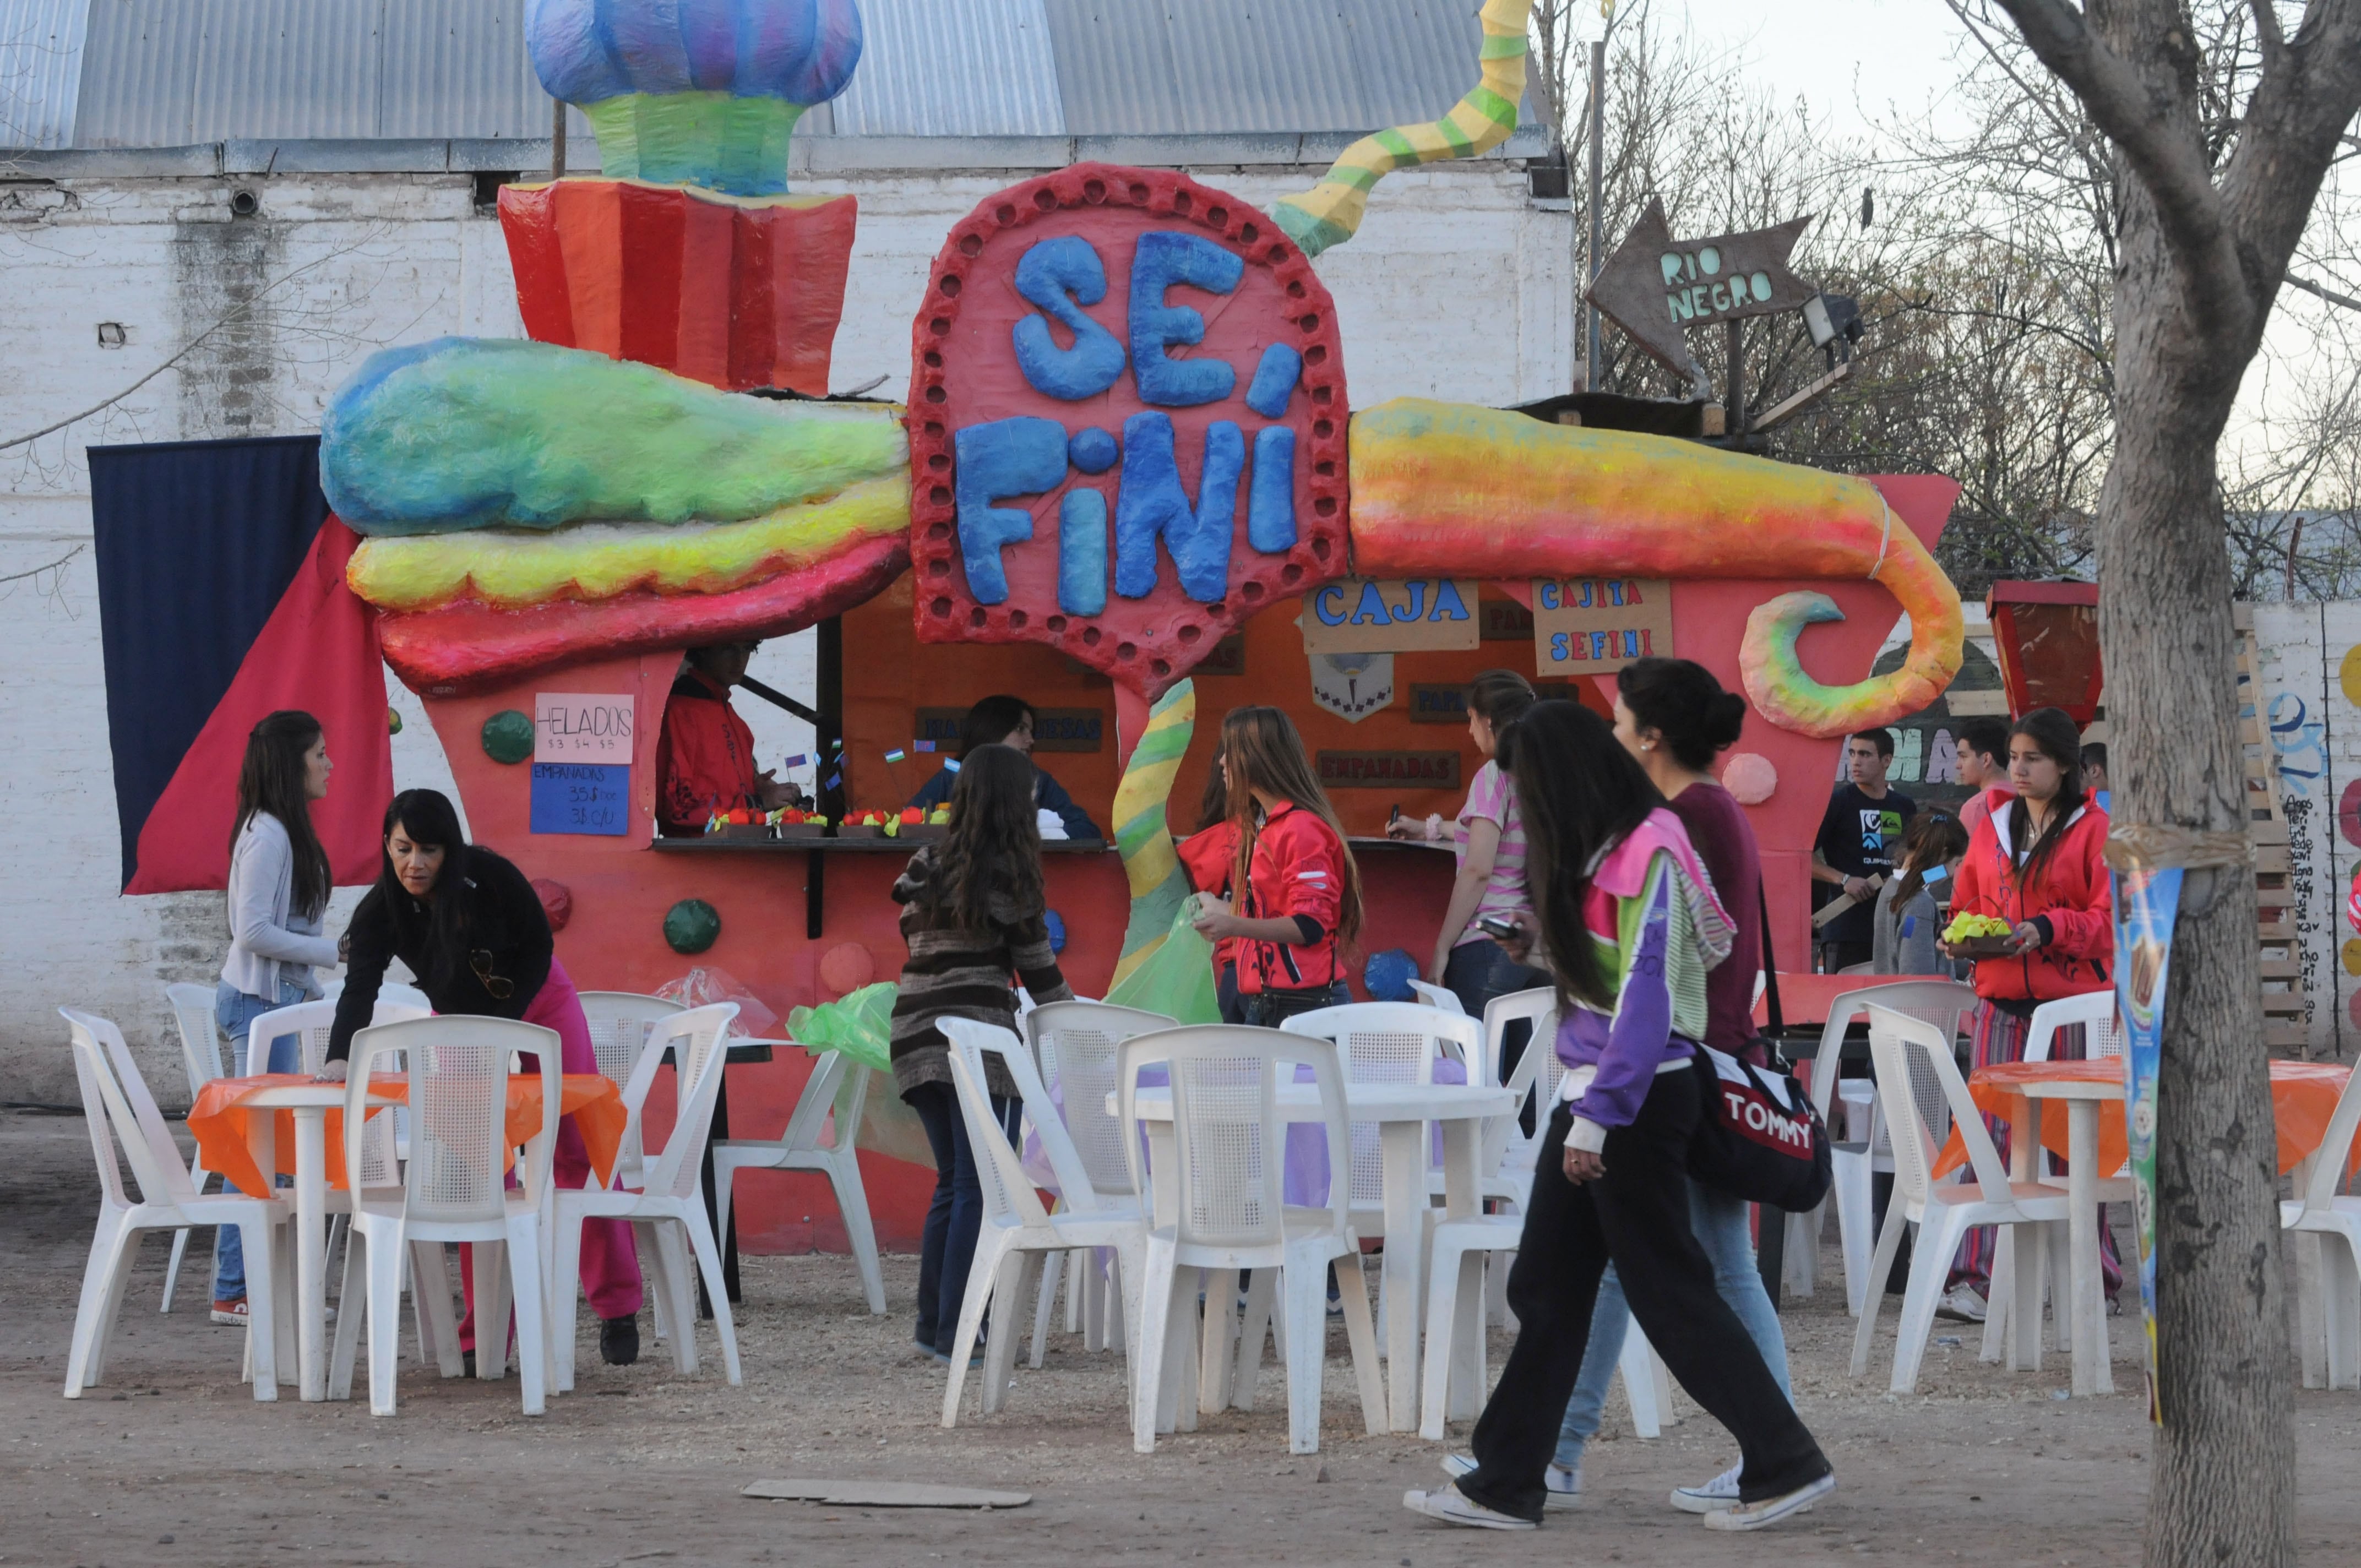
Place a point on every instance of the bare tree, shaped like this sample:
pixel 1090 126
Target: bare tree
pixel 2215 175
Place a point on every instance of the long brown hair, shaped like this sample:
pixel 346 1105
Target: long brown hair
pixel 1933 838
pixel 271 780
pixel 994 848
pixel 1262 744
pixel 1580 793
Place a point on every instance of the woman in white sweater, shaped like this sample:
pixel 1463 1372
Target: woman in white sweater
pixel 278 893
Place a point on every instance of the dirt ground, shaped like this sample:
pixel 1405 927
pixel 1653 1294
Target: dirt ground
pixel 641 1465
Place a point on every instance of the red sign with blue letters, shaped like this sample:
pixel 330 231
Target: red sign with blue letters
pixel 1128 419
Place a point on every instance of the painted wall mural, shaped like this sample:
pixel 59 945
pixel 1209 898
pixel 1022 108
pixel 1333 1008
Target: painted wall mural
pixel 2310 671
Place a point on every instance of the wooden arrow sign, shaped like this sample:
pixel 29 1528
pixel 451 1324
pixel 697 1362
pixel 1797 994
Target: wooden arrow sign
pixel 1655 287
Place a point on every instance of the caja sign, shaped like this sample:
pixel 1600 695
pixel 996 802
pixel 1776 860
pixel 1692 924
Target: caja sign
pixel 1128 421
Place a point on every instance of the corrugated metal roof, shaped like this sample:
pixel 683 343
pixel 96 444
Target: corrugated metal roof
pixel 287 68
pixel 159 73
pixel 40 66
pixel 463 54
pixel 1156 67
pixel 930 69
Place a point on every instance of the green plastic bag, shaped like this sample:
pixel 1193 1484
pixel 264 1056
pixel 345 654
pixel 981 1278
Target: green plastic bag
pixel 859 1024
pixel 1177 978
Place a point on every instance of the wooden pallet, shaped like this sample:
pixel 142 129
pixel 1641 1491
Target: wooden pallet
pixel 2286 1013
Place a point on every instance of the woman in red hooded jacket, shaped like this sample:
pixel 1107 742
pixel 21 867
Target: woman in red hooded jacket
pixel 2034 862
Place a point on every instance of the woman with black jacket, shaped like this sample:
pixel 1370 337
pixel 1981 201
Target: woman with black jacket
pixel 471 929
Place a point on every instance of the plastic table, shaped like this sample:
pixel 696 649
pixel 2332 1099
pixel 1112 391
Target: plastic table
pixel 244 1146
pixel 2087 1314
pixel 1402 1112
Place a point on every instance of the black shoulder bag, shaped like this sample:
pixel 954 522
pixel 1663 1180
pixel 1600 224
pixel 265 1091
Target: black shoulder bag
pixel 1760 1137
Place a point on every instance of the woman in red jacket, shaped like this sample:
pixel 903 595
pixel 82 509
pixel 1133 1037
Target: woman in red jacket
pixel 2035 863
pixel 1288 902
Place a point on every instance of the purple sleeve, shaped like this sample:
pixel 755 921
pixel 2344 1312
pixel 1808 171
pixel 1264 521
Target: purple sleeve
pixel 1642 1028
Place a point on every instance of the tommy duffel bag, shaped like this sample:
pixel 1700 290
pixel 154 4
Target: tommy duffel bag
pixel 1759 1138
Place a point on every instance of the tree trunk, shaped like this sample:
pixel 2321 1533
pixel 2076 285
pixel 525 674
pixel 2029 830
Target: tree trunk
pixel 2222 1488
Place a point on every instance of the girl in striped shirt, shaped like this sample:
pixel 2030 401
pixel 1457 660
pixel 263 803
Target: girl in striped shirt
pixel 972 909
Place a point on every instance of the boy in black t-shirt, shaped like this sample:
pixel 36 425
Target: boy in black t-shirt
pixel 1858 838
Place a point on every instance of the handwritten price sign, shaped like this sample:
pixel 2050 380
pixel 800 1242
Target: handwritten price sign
pixel 580 727
pixel 581 797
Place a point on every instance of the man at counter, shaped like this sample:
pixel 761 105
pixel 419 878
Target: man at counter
pixel 704 757
pixel 1006 721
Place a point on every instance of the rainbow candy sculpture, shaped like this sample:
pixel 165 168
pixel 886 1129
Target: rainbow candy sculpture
pixel 529 504
pixel 1444 487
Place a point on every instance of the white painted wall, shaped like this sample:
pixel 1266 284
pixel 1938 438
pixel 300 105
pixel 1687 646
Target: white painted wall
pixel 1457 287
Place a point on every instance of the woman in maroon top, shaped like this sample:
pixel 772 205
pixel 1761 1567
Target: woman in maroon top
pixel 1675 718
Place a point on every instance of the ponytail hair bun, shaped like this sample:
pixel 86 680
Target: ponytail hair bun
pixel 1681 701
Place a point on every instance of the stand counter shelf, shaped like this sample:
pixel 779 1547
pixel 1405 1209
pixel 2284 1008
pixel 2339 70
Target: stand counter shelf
pixel 815 878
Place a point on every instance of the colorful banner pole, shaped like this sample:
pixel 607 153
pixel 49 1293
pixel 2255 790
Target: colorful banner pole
pixel 2147 903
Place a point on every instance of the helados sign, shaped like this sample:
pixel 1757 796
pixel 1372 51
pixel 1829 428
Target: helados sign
pixel 1127 423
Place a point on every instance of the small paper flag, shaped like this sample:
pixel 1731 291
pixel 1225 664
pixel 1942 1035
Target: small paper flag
pixel 837 744
pixel 799 760
pixel 922 745
pixel 896 756
pixel 833 780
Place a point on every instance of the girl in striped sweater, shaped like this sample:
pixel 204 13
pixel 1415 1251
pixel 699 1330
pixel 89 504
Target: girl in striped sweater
pixel 972 913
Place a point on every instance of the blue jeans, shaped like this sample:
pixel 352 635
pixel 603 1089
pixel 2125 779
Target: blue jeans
pixel 235 1012
pixel 1477 971
pixel 955 1218
pixel 1721 1229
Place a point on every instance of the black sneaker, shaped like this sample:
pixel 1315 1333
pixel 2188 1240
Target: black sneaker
pixel 618 1340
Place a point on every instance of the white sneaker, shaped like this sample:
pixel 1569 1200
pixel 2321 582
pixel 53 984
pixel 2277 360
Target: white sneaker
pixel 1563 1483
pixel 1754 1516
pixel 1453 1507
pixel 1961 1303
pixel 1710 1497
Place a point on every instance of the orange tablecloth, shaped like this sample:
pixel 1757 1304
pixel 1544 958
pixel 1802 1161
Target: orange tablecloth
pixel 1804 999
pixel 218 1121
pixel 2304 1098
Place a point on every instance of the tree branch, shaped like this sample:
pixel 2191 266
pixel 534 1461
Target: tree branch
pixel 2331 295
pixel 2296 118
pixel 2168 160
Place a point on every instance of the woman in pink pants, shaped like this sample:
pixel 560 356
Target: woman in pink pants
pixel 470 927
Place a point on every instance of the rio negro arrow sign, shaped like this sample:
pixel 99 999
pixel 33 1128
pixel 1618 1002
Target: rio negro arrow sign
pixel 1655 287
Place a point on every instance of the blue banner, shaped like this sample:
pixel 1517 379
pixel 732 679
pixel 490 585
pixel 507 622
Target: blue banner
pixel 2147 905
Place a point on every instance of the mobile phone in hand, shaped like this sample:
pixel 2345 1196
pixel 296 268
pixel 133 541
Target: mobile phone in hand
pixel 1493 925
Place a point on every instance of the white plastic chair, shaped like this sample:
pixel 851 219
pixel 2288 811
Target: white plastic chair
pixel 831 1103
pixel 1386 1042
pixel 1945 1006
pixel 2330 1311
pixel 391 991
pixel 671 1194
pixel 1907 1053
pixel 116 1102
pixel 1226 1214
pixel 620 1023
pixel 452 1190
pixel 1507 1152
pixel 1018 1231
pixel 1074 1044
pixel 1440 998
pixel 201 1059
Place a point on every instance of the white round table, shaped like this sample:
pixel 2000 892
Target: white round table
pixel 1402 1112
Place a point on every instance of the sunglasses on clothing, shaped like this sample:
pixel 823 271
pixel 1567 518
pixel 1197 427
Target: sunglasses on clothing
pixel 500 989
